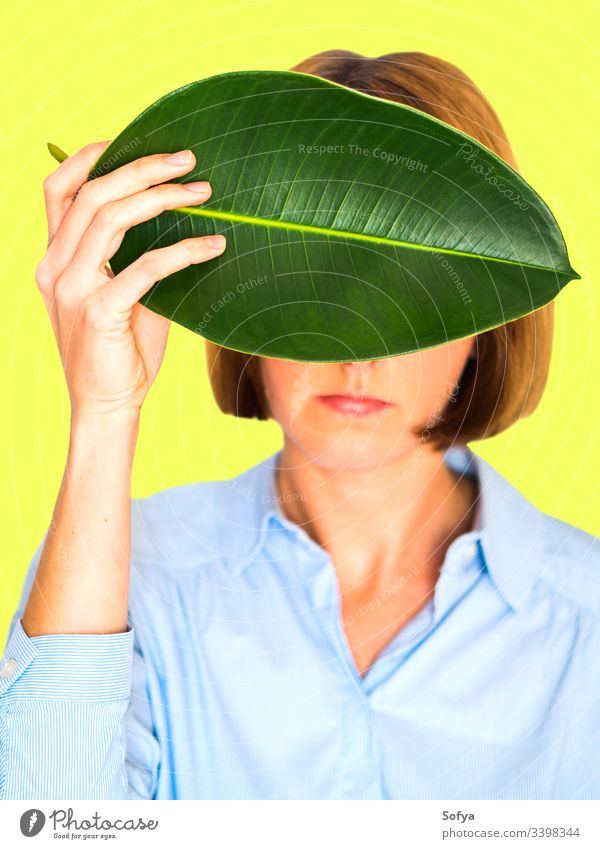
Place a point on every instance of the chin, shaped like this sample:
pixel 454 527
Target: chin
pixel 352 451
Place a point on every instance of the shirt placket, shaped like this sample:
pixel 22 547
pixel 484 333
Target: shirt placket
pixel 360 766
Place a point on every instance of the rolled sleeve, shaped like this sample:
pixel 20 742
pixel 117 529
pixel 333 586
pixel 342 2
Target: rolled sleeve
pixel 69 727
pixel 66 667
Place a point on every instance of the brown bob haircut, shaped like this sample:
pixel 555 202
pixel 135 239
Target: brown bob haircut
pixel 505 380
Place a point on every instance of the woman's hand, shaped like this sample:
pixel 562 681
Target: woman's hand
pixel 110 345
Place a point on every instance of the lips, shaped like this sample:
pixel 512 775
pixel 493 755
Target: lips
pixel 351 405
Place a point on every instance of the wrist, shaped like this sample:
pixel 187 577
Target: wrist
pixel 104 420
pixel 110 437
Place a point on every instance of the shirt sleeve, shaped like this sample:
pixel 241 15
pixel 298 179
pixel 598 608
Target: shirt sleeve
pixel 75 715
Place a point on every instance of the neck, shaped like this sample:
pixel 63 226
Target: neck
pixel 380 523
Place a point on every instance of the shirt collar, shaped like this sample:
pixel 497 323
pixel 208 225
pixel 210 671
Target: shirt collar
pixel 510 528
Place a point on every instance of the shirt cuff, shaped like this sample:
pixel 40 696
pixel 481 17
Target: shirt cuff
pixel 67 667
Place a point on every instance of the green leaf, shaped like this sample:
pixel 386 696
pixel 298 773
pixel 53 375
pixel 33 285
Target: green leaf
pixel 356 228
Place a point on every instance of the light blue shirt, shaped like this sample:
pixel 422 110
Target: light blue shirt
pixel 235 680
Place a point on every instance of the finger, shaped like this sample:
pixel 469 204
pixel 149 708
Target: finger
pixel 124 181
pixel 61 186
pixel 104 235
pixel 124 290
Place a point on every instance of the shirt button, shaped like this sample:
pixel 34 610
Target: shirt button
pixel 9 667
pixel 470 552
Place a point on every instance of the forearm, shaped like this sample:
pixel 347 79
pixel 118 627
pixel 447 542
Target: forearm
pixel 83 577
pixel 66 687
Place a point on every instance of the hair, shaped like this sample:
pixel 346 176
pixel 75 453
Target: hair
pixel 505 379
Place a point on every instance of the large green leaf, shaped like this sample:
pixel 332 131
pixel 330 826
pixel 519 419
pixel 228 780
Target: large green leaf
pixel 357 228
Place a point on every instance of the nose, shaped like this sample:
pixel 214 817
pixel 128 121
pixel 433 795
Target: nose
pixel 362 365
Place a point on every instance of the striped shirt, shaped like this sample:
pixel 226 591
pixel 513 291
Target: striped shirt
pixel 234 679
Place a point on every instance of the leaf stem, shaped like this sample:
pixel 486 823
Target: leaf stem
pixel 57 152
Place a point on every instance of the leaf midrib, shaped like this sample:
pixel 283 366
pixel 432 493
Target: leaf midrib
pixel 345 234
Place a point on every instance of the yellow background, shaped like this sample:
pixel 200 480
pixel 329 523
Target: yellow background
pixel 79 72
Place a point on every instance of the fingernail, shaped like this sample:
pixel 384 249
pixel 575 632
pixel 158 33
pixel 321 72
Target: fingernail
pixel 202 188
pixel 182 157
pixel 217 243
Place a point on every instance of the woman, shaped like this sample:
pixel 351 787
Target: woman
pixel 373 612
